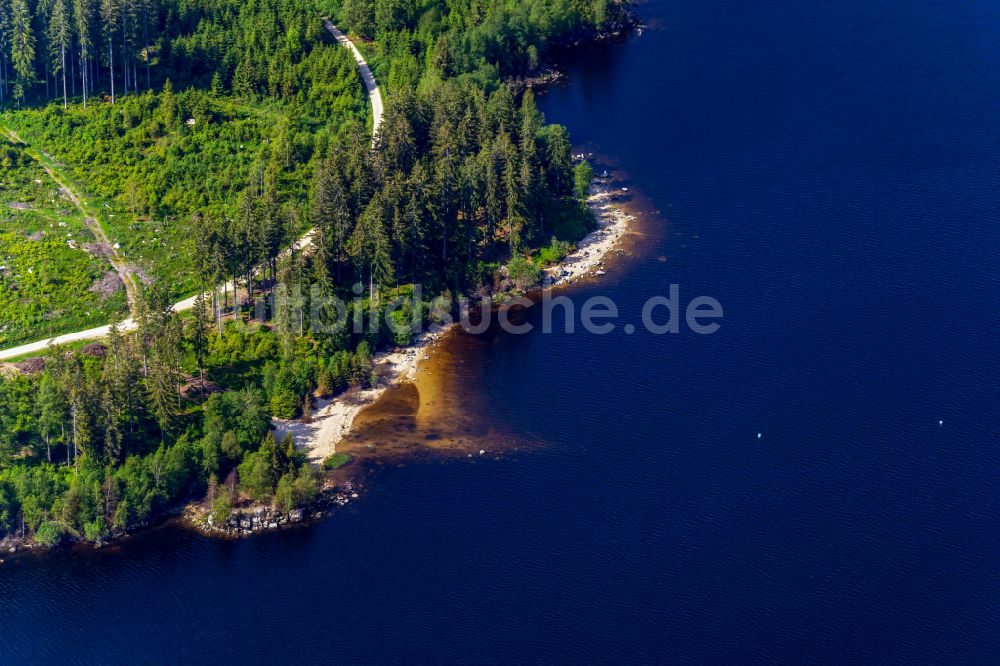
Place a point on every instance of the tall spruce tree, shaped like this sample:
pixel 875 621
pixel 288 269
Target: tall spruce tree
pixel 22 47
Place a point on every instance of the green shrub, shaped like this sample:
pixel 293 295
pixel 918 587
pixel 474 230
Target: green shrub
pixel 284 496
pixel 400 325
pixel 306 486
pixel 94 530
pixel 336 461
pixel 221 508
pixel 523 273
pixel 553 253
pixel 583 173
pixel 50 533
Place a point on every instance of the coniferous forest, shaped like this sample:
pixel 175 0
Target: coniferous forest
pixel 202 138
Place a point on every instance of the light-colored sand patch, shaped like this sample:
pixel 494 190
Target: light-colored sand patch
pixel 333 419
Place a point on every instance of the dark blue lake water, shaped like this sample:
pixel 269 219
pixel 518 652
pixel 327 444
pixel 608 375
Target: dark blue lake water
pixel 829 172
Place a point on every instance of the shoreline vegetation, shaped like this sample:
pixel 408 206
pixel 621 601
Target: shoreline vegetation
pixel 334 419
pixel 203 418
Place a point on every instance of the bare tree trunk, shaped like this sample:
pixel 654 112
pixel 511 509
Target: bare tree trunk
pixel 145 36
pixel 62 53
pixel 76 453
pixel 124 58
pixel 83 79
pixel 111 68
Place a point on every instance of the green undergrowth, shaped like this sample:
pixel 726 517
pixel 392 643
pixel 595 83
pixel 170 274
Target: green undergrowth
pixel 50 264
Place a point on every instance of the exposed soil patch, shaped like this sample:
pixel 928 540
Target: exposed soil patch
pixel 108 285
pixel 95 349
pixel 144 277
pixel 100 250
pixel 30 366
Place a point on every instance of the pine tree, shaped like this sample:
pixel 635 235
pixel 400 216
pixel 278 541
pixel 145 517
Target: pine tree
pixel 121 377
pixel 79 398
pixel 161 329
pixel 370 245
pixel 513 196
pixel 199 338
pixel 330 209
pixel 4 46
pixel 145 8
pixel 82 18
pixel 60 36
pixel 22 47
pixel 307 409
pixel 52 410
pixel 530 177
pixel 560 159
pixel 110 14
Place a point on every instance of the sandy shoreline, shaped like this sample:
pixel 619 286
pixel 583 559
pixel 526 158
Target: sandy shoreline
pixel 333 420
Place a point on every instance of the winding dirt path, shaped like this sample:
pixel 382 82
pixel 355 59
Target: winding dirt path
pixel 374 96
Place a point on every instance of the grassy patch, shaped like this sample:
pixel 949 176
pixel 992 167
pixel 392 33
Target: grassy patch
pixel 553 253
pixel 336 461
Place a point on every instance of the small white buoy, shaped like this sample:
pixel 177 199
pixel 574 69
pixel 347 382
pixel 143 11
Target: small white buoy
pixel 758 435
pixel 481 452
pixel 940 423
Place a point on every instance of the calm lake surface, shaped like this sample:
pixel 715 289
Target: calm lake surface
pixel 829 172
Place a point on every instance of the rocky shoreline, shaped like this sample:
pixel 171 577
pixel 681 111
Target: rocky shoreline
pixel 335 420
pixel 258 518
pixel 546 77
pixel 613 222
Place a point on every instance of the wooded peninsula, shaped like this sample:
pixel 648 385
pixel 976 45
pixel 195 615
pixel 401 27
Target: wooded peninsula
pixel 154 150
